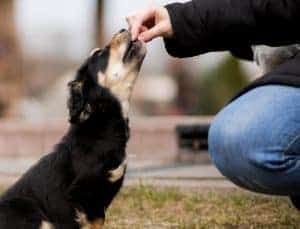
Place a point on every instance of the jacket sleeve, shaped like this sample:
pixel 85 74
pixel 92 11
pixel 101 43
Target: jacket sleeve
pixel 202 26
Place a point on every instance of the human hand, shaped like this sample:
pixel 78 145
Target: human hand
pixel 150 23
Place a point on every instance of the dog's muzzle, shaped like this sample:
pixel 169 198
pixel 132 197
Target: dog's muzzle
pixel 135 49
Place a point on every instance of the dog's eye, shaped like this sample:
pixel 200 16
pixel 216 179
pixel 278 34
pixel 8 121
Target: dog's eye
pixel 95 51
pixel 100 52
pixel 103 51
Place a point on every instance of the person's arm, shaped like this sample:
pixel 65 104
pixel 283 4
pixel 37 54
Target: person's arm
pixel 201 26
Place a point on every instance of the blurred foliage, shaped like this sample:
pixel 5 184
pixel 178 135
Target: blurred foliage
pixel 219 85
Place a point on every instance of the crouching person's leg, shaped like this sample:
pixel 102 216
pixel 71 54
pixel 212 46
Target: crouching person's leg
pixel 255 140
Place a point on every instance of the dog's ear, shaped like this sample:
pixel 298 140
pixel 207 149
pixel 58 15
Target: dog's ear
pixel 79 108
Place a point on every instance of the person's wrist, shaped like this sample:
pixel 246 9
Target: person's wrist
pixel 169 33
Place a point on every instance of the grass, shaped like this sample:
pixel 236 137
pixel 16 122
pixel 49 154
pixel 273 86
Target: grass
pixel 149 207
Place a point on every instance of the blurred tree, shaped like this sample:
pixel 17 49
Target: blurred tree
pixel 187 88
pixel 219 85
pixel 99 23
pixel 10 61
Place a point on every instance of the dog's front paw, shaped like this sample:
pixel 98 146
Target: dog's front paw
pixel 116 174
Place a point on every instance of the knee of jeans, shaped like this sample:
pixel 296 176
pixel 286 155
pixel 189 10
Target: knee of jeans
pixel 224 140
pixel 277 157
pixel 234 150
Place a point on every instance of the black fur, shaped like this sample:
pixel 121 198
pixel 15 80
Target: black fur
pixel 75 175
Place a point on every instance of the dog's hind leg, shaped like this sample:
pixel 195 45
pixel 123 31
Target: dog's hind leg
pixel 22 213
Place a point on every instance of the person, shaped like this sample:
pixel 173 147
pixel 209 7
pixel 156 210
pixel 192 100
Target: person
pixel 255 139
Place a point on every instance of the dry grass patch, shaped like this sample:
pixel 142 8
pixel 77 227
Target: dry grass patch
pixel 149 207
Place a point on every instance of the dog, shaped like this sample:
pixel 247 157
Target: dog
pixel 268 58
pixel 73 186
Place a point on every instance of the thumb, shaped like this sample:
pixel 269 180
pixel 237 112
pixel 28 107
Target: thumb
pixel 150 34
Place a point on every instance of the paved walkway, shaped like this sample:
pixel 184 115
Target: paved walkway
pixel 182 175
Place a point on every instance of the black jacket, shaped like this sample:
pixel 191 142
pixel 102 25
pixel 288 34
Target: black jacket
pixel 202 26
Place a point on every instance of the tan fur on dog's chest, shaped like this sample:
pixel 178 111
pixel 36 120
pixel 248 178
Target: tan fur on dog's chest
pixel 86 224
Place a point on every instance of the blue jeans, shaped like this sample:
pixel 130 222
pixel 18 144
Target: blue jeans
pixel 255 140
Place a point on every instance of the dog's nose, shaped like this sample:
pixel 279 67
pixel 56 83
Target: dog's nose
pixel 122 30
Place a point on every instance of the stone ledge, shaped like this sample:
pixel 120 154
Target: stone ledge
pixel 151 137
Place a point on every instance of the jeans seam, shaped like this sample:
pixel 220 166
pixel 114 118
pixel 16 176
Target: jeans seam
pixel 295 139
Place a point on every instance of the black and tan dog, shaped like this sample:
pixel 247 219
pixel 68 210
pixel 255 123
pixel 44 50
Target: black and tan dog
pixel 73 186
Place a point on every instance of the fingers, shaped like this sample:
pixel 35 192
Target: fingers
pixel 134 26
pixel 136 21
pixel 160 29
pixel 150 23
pixel 143 29
pixel 150 34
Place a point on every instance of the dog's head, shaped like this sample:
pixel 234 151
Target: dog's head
pixel 108 72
